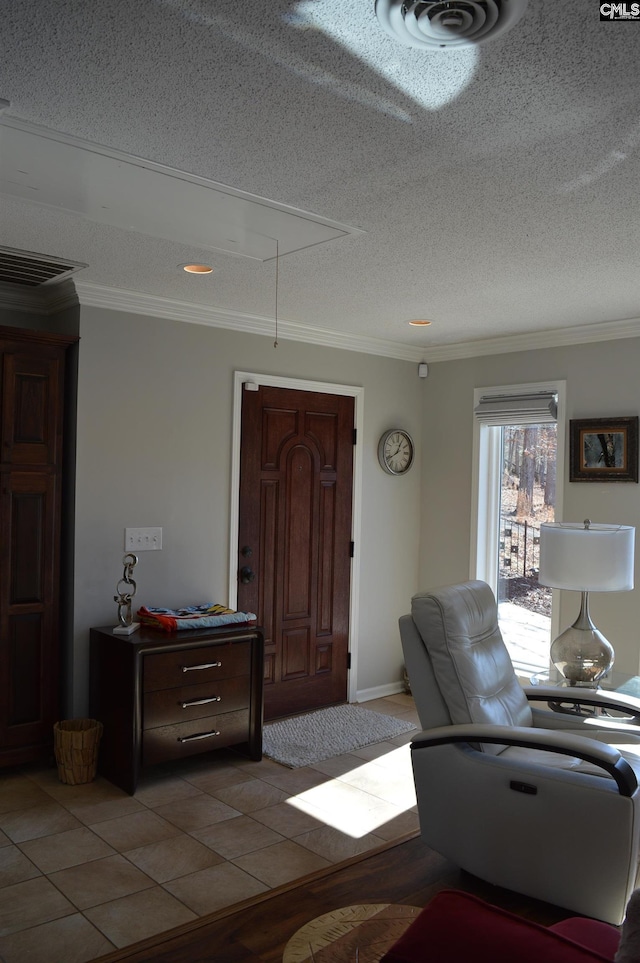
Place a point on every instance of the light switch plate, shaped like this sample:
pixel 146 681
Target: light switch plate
pixel 142 539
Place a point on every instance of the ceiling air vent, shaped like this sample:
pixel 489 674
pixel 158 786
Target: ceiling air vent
pixel 447 23
pixel 32 270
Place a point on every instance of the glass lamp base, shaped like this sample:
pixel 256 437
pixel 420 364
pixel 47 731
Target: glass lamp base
pixel 582 655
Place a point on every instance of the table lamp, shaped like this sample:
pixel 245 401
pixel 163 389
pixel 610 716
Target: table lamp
pixel 585 558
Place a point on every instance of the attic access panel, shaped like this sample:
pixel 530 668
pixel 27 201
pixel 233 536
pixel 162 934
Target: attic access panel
pixel 46 167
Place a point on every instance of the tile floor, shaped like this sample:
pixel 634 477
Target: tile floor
pixel 88 869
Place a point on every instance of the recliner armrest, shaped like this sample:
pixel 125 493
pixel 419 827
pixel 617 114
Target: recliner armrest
pixel 565 743
pixel 575 695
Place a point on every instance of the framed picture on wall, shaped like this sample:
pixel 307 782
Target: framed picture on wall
pixel 603 450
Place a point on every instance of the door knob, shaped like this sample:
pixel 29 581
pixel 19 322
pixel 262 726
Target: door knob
pixel 247 574
pixel 247 551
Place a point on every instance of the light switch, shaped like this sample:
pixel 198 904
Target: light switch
pixel 142 539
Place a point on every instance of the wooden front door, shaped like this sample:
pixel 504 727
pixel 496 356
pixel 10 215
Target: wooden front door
pixel 294 546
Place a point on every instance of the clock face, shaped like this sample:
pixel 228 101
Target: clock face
pixel 395 451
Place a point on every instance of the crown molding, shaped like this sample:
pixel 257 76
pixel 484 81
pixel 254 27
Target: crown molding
pixel 115 299
pixel 532 341
pixel 43 299
pixel 16 298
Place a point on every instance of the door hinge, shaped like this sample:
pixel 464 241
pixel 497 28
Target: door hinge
pixel 352 549
pixel 355 436
pixel 348 660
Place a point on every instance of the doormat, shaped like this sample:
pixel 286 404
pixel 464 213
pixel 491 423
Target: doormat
pixel 316 736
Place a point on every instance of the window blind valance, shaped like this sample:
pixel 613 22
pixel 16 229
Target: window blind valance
pixel 518 409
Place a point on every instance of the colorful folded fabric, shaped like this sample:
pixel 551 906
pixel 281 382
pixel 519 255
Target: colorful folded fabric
pixel 206 616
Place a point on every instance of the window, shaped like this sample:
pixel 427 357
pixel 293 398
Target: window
pixel 518 458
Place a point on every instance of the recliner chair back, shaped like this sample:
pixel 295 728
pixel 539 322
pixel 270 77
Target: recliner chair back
pixel 463 647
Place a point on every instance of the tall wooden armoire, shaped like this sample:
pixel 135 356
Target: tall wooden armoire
pixel 32 378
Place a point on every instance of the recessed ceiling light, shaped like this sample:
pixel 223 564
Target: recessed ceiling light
pixel 419 324
pixel 197 268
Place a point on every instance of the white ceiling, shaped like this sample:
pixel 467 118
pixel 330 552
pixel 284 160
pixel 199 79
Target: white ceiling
pixel 494 190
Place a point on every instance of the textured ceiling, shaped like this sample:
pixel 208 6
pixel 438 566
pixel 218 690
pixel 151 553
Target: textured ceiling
pixel 496 187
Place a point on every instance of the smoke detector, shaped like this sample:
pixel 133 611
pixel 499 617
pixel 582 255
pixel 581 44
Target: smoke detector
pixel 447 23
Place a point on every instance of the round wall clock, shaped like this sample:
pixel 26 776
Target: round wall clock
pixel 395 451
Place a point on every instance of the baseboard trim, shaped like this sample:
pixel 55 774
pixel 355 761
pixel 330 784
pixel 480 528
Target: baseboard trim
pixel 379 691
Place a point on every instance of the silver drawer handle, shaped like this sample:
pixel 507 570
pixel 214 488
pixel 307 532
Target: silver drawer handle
pixel 200 702
pixel 205 665
pixel 198 735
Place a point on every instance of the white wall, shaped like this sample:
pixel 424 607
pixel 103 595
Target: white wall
pixel 154 447
pixel 602 380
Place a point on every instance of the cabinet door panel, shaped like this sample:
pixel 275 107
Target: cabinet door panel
pixel 24 703
pixel 30 413
pixel 29 528
pixel 28 609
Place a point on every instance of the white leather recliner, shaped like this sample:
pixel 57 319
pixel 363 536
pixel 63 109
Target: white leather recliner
pixel 541 801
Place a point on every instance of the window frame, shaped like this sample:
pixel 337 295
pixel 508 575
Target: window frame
pixel 486 481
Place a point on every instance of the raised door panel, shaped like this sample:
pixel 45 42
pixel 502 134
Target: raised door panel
pixel 298 534
pixel 28 607
pixel 29 536
pixel 31 420
pixel 25 682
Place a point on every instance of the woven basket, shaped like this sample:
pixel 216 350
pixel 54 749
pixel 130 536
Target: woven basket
pixel 76 743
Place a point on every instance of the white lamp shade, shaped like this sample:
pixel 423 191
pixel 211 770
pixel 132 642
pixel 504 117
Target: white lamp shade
pixel 594 559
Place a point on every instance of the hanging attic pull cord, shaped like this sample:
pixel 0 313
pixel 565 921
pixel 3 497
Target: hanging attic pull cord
pixel 275 343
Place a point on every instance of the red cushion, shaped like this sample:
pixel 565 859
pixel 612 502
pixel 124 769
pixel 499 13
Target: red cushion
pixel 458 927
pixel 598 936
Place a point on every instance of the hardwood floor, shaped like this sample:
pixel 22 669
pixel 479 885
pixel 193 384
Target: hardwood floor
pixel 258 931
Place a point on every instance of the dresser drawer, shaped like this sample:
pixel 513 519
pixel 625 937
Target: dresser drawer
pixel 190 666
pixel 184 739
pixel 163 707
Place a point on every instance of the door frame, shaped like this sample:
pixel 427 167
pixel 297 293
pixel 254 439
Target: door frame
pixel 353 391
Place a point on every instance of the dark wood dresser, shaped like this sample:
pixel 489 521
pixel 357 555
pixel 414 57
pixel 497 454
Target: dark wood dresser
pixel 165 696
